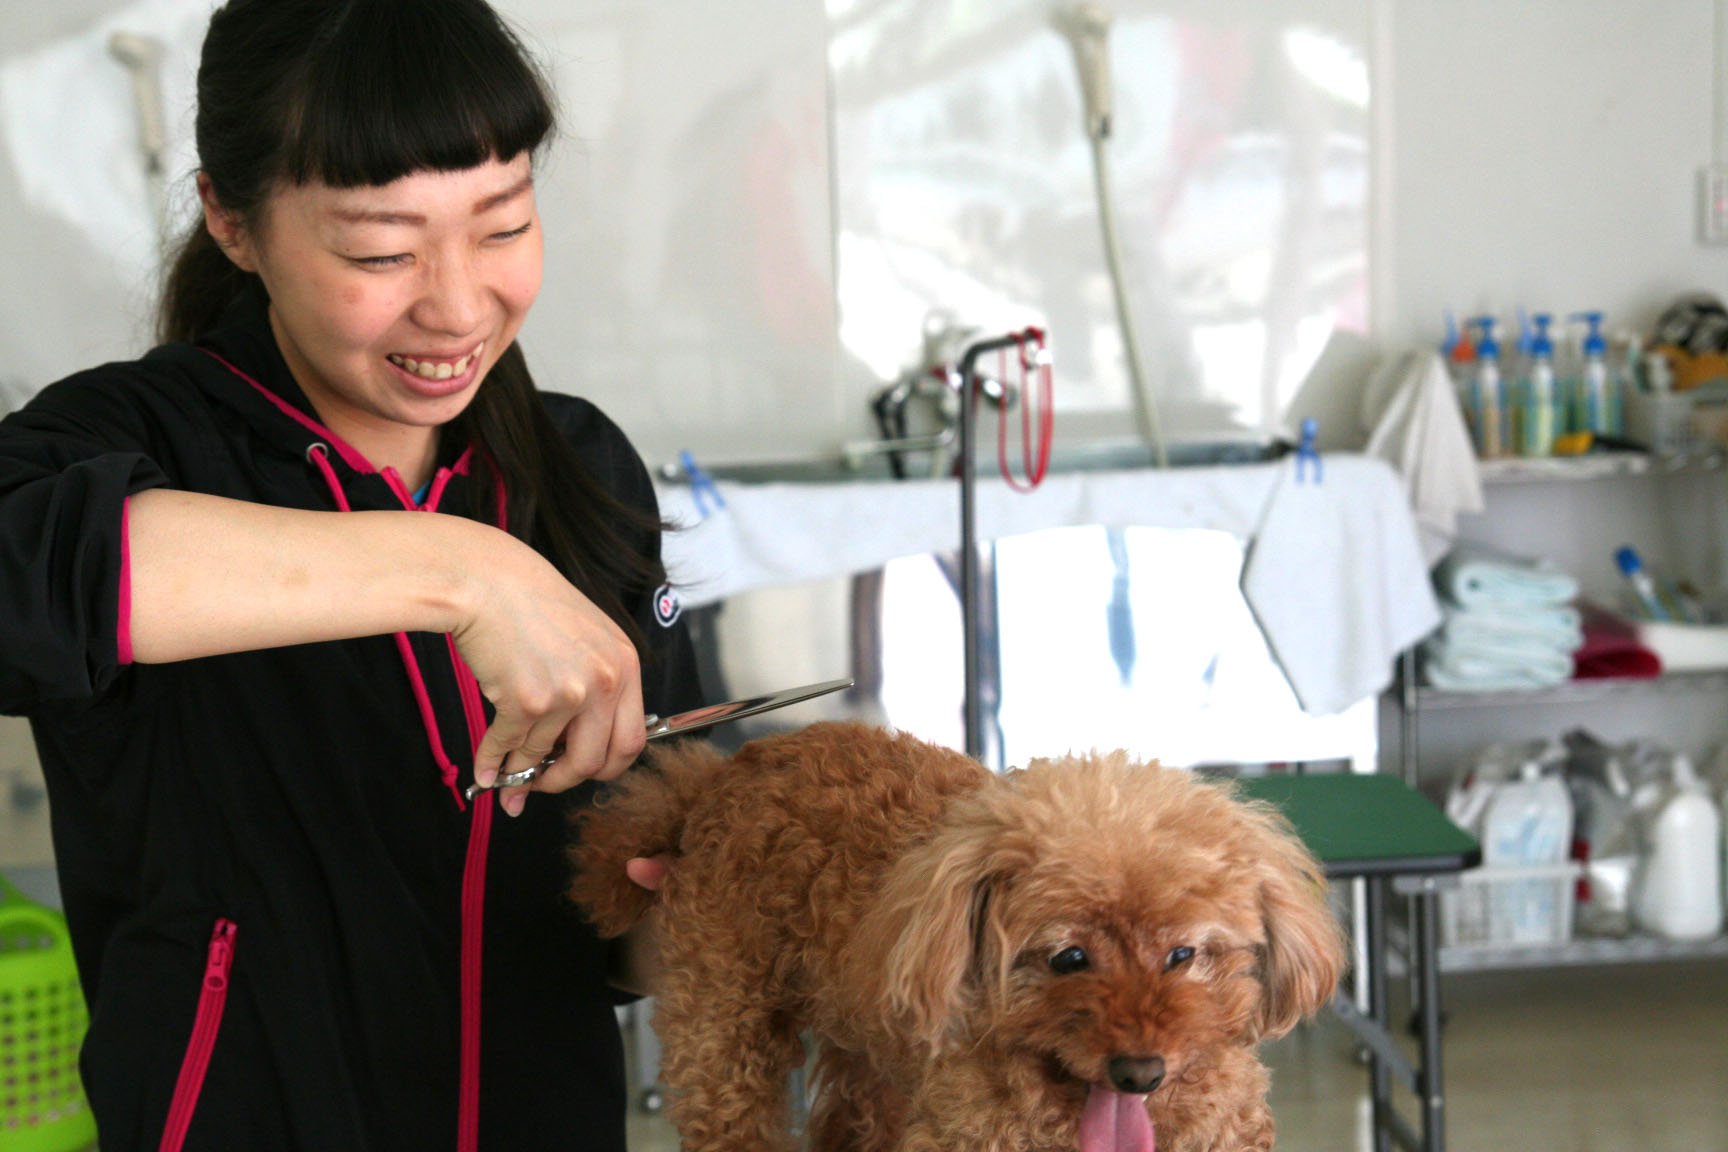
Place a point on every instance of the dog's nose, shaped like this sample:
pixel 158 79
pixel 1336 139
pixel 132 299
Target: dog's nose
pixel 1136 1074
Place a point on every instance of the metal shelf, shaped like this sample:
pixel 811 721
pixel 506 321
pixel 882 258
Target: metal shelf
pixel 1581 951
pixel 1595 466
pixel 1429 699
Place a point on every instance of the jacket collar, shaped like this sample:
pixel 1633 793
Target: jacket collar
pixel 241 366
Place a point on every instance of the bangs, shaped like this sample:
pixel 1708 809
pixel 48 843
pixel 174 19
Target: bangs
pixel 398 87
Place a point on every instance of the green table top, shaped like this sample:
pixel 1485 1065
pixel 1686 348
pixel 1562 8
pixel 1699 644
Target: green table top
pixel 1360 824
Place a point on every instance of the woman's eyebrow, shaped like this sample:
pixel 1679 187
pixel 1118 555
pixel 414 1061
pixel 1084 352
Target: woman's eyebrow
pixel 526 184
pixel 387 216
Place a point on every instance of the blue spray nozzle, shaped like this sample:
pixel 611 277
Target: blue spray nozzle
pixel 1487 346
pixel 1627 559
pixel 1541 344
pixel 1594 344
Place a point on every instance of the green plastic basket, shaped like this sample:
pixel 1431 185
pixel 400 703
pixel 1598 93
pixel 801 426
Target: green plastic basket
pixel 42 1023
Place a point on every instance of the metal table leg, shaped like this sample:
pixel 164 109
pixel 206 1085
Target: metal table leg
pixel 1427 964
pixel 1380 1074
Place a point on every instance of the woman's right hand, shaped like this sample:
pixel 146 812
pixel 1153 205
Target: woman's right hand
pixel 212 575
pixel 557 670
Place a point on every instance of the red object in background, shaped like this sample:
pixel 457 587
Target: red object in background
pixel 1612 649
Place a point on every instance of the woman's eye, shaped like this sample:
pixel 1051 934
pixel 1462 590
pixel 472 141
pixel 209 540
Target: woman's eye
pixel 513 233
pixel 380 261
pixel 1178 957
pixel 1070 960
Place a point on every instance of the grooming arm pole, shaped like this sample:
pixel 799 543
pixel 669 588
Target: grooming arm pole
pixel 969 532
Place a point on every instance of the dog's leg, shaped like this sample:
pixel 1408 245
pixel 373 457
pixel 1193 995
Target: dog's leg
pixel 727 1058
pixel 856 1109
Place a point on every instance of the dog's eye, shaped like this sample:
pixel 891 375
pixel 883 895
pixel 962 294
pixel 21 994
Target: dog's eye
pixel 1178 957
pixel 1070 960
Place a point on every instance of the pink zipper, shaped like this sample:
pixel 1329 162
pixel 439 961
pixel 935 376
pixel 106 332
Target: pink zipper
pixel 211 1000
pixel 473 916
pixel 480 827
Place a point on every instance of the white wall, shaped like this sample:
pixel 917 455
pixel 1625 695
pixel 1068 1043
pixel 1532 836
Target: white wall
pixel 1543 153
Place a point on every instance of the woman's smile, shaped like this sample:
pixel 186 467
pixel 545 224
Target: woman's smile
pixel 438 376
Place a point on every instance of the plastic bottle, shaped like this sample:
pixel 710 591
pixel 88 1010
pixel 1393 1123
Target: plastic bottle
pixel 1659 596
pixel 1487 401
pixel 1598 400
pixel 1664 434
pixel 1646 599
pixel 1528 824
pixel 1536 426
pixel 1679 889
pixel 1461 363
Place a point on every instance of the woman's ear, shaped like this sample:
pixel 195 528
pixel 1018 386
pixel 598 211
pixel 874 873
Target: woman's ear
pixel 226 228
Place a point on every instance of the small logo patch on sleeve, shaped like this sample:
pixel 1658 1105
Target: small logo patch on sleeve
pixel 667 606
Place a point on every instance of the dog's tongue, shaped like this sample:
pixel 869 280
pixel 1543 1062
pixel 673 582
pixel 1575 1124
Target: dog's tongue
pixel 1115 1122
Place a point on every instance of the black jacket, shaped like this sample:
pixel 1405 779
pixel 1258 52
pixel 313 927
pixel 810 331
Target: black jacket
pixel 288 795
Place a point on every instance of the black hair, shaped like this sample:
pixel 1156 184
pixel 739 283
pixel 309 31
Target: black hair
pixel 341 92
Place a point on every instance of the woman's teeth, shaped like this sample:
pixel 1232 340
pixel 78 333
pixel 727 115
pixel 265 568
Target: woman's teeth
pixel 432 370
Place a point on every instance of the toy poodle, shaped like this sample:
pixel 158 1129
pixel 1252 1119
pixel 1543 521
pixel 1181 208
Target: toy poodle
pixel 1079 956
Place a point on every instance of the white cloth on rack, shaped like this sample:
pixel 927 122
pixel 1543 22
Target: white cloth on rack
pixel 1339 589
pixel 1333 630
pixel 1422 433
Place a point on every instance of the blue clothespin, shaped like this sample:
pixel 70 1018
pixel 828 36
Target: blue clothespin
pixel 702 487
pixel 1306 451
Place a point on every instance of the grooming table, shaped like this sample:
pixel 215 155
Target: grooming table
pixel 1382 831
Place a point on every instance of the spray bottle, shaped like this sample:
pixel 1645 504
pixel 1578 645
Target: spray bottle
pixel 1487 401
pixel 1458 352
pixel 1536 401
pixel 1598 404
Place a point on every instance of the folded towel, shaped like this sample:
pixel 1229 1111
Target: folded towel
pixel 1501 650
pixel 1473 577
pixel 1549 628
pixel 1472 670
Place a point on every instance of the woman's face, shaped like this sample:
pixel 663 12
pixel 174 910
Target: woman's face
pixel 392 303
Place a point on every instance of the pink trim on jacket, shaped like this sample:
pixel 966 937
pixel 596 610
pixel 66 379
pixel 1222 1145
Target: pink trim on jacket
pixel 123 617
pixel 474 712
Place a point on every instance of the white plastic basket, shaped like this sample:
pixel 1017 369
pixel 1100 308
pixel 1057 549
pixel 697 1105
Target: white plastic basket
pixel 1502 907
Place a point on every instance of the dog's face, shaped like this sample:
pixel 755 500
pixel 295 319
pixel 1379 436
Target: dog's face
pixel 1110 924
pixel 1124 981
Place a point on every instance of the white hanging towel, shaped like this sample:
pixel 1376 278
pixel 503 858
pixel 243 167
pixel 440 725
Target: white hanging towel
pixel 1422 434
pixel 1338 581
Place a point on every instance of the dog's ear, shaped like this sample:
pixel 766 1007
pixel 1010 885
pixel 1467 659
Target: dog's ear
pixel 1305 952
pixel 919 945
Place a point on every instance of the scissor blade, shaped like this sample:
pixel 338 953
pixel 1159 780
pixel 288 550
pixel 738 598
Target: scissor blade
pixel 712 714
pixel 691 721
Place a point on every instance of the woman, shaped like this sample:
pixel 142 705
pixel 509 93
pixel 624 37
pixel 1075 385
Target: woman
pixel 281 591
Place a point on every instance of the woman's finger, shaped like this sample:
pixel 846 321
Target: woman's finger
pixel 629 732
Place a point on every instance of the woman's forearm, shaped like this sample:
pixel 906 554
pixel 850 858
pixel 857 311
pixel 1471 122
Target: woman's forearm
pixel 211 575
